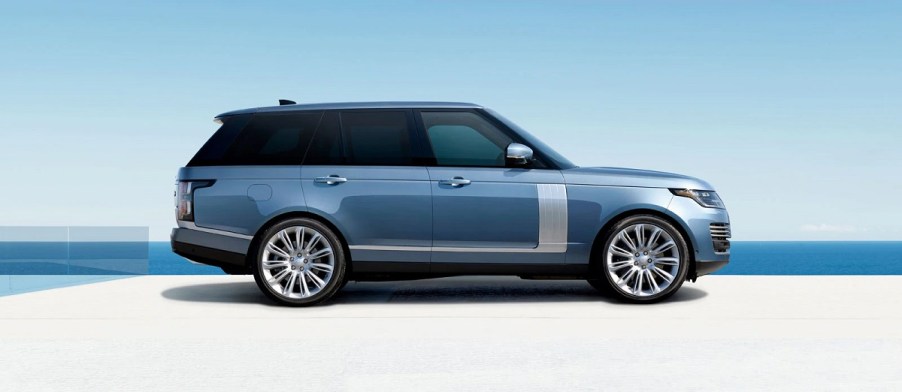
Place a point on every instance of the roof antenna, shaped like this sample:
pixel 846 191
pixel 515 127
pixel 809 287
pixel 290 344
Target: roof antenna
pixel 283 102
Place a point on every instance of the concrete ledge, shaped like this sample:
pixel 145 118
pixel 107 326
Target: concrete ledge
pixel 216 332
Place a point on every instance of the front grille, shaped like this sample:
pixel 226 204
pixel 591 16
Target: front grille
pixel 720 236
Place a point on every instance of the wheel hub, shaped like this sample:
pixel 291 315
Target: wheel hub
pixel 298 263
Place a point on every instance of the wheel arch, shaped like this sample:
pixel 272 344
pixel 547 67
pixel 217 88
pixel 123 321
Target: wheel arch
pixel 603 233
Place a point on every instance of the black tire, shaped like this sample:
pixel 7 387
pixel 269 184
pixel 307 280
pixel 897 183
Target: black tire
pixel 338 272
pixel 604 282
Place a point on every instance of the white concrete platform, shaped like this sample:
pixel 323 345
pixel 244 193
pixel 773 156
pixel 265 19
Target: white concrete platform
pixel 183 333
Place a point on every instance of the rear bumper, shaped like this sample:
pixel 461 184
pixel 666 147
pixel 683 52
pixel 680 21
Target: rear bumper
pixel 209 248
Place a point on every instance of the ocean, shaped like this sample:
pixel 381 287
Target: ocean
pixel 156 258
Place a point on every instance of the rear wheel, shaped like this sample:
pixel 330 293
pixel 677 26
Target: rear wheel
pixel 644 259
pixel 300 262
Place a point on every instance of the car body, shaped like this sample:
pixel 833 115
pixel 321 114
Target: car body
pixel 402 190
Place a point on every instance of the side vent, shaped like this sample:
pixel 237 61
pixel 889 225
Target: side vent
pixel 720 235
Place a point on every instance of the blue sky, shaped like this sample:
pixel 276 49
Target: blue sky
pixel 793 110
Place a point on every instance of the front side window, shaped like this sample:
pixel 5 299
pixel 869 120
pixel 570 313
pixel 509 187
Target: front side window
pixel 377 138
pixel 464 139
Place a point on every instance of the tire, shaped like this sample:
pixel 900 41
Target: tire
pixel 303 275
pixel 644 259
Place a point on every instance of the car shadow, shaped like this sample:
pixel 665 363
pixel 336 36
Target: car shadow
pixel 433 291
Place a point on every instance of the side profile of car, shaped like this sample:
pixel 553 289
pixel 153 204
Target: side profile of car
pixel 307 197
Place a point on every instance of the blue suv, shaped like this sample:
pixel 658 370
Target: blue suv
pixel 308 197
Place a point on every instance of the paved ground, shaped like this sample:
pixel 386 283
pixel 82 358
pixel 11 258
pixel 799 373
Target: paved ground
pixel 218 333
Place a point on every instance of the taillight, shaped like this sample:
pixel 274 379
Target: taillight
pixel 184 198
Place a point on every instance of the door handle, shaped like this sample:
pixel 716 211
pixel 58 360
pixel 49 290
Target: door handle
pixel 456 181
pixel 330 180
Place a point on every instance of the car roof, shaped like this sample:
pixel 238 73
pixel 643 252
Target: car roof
pixel 357 105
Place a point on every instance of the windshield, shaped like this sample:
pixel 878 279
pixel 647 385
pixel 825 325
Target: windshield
pixel 548 152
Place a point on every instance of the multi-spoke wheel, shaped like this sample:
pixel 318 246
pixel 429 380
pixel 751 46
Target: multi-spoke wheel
pixel 645 259
pixel 299 262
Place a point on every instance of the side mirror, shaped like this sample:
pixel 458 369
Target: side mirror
pixel 518 154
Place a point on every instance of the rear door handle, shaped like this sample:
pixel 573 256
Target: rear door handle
pixel 456 181
pixel 330 180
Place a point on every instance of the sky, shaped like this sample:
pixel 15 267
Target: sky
pixel 792 110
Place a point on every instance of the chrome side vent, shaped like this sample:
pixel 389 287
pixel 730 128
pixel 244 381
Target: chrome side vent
pixel 720 236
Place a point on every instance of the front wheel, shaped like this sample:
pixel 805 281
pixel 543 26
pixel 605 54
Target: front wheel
pixel 645 259
pixel 299 262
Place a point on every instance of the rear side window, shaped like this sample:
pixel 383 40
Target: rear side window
pixel 267 139
pixel 377 138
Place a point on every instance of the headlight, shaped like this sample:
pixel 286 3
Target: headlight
pixel 703 198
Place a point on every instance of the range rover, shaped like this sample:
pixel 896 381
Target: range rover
pixel 307 197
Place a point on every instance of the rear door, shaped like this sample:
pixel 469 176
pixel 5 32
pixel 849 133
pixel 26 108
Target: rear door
pixel 362 173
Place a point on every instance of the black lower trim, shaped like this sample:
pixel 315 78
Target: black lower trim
pixel 208 256
pixel 708 267
pixel 387 270
pixel 382 267
pixel 510 269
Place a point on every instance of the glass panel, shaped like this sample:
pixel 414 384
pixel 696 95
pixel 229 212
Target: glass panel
pixel 326 149
pixel 464 139
pixel 273 139
pixel 377 138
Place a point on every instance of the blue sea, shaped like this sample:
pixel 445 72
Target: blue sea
pixel 156 258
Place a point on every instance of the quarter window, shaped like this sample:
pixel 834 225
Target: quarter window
pixel 214 150
pixel 268 139
pixel 464 139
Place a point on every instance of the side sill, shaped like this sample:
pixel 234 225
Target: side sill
pixel 387 271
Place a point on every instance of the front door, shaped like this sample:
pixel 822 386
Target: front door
pixel 483 211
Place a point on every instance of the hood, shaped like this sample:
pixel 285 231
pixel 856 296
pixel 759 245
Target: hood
pixel 617 176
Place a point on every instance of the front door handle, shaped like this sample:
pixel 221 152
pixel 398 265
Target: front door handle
pixel 456 181
pixel 330 180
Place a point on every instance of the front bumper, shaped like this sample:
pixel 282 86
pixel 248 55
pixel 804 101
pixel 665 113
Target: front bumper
pixel 709 232
pixel 703 268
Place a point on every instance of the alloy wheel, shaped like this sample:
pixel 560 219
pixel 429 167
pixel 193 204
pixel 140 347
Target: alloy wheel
pixel 643 260
pixel 297 262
